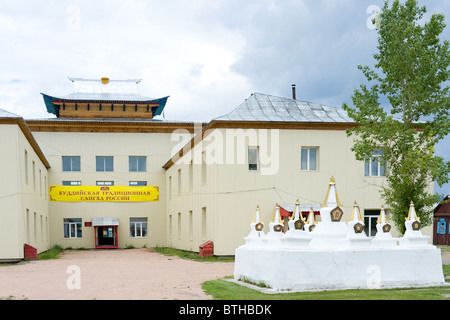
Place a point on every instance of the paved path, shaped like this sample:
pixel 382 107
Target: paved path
pixel 136 274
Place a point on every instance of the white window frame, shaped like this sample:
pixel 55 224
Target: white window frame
pixel 71 183
pixel 71 158
pixel 138 226
pixel 257 159
pixel 138 183
pixel 105 183
pixel 102 167
pixel 308 159
pixel 73 234
pixel 374 160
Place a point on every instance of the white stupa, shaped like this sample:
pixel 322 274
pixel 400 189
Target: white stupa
pixel 331 231
pixel 296 236
pixel 355 233
pixel 256 235
pixel 311 221
pixel 383 238
pixel 336 255
pixel 273 237
pixel 413 236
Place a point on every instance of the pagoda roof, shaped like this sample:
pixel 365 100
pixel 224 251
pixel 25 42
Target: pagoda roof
pixel 104 91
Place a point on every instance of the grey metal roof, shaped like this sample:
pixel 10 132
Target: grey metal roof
pixel 98 222
pixel 7 114
pixel 263 107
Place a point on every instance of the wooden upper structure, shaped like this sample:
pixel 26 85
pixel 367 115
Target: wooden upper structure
pixel 104 98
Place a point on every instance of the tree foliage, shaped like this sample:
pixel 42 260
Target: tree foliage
pixel 411 71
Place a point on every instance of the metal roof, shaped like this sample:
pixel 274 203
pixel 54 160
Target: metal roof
pixel 263 107
pixel 7 114
pixel 99 222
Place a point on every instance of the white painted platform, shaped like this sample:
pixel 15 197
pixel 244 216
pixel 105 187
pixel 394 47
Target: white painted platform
pixel 316 269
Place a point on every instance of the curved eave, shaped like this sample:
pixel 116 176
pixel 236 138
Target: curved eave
pixel 54 109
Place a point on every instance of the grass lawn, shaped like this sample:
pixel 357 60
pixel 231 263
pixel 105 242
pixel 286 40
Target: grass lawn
pixel 190 255
pixel 225 290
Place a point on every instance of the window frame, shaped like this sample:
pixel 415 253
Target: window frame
pixel 130 158
pixel 375 161
pixel 104 183
pixel 71 158
pixel 136 225
pixel 138 183
pixel 308 159
pixel 250 168
pixel 76 232
pixel 71 183
pixel 103 163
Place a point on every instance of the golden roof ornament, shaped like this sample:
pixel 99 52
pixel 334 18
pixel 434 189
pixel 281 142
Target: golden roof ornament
pixel 382 218
pixel 332 198
pixel 412 213
pixel 311 217
pixel 356 213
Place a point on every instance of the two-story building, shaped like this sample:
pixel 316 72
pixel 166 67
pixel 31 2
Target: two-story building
pixel 106 171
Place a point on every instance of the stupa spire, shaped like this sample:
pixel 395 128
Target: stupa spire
pixel 332 198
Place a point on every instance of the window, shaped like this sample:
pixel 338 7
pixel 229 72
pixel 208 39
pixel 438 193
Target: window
pixel 26 167
pixel 204 169
pixel 138 227
pixel 204 223
pixel 72 228
pixel 104 164
pixel 179 225
pixel 179 181
pixel 253 158
pixel 33 166
pixel 105 183
pixel 309 159
pixel 138 183
pixel 370 222
pixel 191 225
pixel 191 176
pixel 138 164
pixel 71 163
pixel 71 183
pixel 374 167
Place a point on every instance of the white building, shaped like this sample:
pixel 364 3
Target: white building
pixel 205 179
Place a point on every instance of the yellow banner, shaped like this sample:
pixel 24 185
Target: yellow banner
pixel 104 194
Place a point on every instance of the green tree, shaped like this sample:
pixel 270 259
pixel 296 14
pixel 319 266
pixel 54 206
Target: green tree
pixel 411 69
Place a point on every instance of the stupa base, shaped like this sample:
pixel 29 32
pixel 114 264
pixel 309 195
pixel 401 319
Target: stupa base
pixel 346 268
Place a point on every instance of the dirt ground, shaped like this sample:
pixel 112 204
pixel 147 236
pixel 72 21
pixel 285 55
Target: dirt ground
pixel 132 274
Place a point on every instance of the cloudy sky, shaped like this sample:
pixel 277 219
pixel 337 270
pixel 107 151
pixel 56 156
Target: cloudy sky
pixel 208 55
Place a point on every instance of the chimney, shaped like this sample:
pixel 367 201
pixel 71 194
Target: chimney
pixel 293 92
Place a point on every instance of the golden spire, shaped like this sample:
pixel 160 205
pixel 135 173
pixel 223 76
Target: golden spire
pixel 357 211
pixel 412 213
pixel 311 218
pixel 257 216
pixel 382 216
pixel 276 214
pixel 332 198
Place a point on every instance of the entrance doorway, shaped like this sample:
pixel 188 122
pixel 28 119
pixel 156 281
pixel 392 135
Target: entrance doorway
pixel 106 233
pixel 106 237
